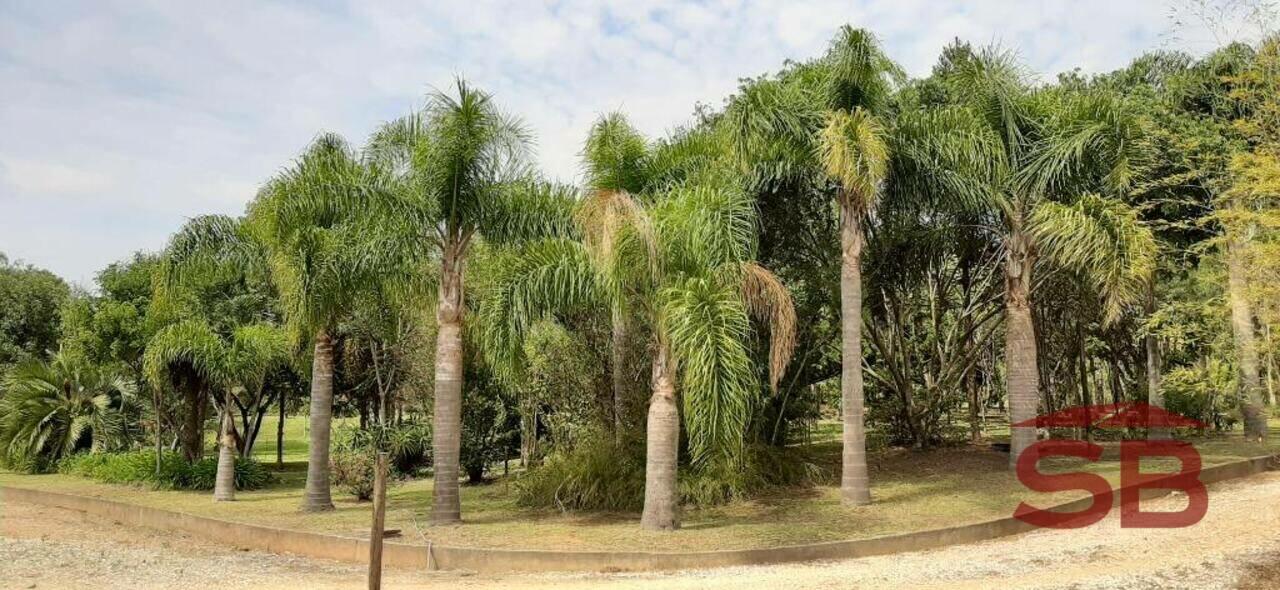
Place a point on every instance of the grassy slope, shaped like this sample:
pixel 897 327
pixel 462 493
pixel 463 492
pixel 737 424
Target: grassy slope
pixel 913 491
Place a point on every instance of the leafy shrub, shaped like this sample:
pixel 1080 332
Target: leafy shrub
pixel 600 474
pixel 409 444
pixel 1202 392
pixel 249 474
pixel 353 472
pixel 139 467
pixel 597 474
pixel 762 468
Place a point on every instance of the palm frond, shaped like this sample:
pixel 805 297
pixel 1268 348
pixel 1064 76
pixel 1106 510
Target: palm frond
pixel 854 153
pixel 1101 239
pixel 707 326
pixel 768 300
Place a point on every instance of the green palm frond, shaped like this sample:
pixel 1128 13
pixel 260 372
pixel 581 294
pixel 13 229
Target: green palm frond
pixel 192 343
pixel 854 153
pixel 703 227
pixel 470 147
pixel 528 209
pixel 1090 135
pixel 771 127
pixel 50 408
pixel 1102 240
pixel 255 350
pixel 615 156
pixel 859 74
pixel 708 327
pixel 526 284
pixel 995 86
pixel 947 158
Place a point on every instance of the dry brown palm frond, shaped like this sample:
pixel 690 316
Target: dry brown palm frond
pixel 769 301
pixel 603 217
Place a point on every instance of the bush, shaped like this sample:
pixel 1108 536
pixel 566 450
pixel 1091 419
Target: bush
pixel 139 467
pixel 408 443
pixel 1200 392
pixel 600 474
pixel 597 474
pixel 353 472
pixel 250 475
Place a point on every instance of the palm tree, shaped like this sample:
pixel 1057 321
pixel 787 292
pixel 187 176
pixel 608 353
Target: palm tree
pixel 187 356
pixel 310 226
pixel 459 171
pixel 855 155
pixel 1037 160
pixel 815 127
pixel 222 365
pixel 616 158
pixel 688 264
pixel 51 409
pixel 254 351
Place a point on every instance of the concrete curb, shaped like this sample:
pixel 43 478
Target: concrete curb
pixel 355 550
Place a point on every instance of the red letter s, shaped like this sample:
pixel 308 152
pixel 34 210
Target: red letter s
pixel 1041 482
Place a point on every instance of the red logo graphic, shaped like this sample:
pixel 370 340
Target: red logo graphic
pixel 1132 480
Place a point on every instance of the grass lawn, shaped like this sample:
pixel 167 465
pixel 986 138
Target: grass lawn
pixel 912 491
pixel 295 437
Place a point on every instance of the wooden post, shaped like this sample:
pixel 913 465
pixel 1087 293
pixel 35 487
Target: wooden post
pixel 379 520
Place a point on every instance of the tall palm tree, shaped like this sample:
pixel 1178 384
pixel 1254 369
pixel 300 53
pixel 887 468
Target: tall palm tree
pixel 855 155
pixel 310 227
pixel 616 158
pixel 225 366
pixel 688 262
pixel 1038 159
pixel 816 127
pixel 459 171
pixel 51 409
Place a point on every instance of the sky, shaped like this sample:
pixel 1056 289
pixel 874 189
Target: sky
pixel 120 120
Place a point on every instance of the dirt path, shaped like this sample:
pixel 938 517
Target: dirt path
pixel 1236 546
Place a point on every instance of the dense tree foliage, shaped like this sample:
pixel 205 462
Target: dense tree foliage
pixel 924 261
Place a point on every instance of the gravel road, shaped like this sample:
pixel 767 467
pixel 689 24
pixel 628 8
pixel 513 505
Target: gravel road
pixel 1236 546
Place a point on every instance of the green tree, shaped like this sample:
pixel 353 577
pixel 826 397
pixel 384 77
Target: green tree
pixel 1039 159
pixel 51 409
pixel 698 297
pixel 30 311
pixel 816 126
pixel 459 172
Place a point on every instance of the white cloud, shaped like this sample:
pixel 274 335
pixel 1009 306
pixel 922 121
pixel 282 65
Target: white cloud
pixel 40 178
pixel 163 111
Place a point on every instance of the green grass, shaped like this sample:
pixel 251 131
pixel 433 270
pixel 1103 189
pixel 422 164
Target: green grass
pixel 912 491
pixel 295 438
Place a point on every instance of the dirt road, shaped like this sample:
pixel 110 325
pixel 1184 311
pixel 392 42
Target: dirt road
pixel 1236 546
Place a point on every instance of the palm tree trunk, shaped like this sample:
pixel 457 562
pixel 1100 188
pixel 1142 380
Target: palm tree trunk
pixel 855 485
pixel 1020 346
pixel 280 430
pixel 618 360
pixel 156 400
pixel 1155 397
pixel 1255 421
pixel 317 490
pixel 446 506
pixel 661 496
pixel 1271 367
pixel 224 485
pixel 192 435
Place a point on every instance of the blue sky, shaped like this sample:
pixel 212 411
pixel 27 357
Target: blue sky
pixel 119 120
